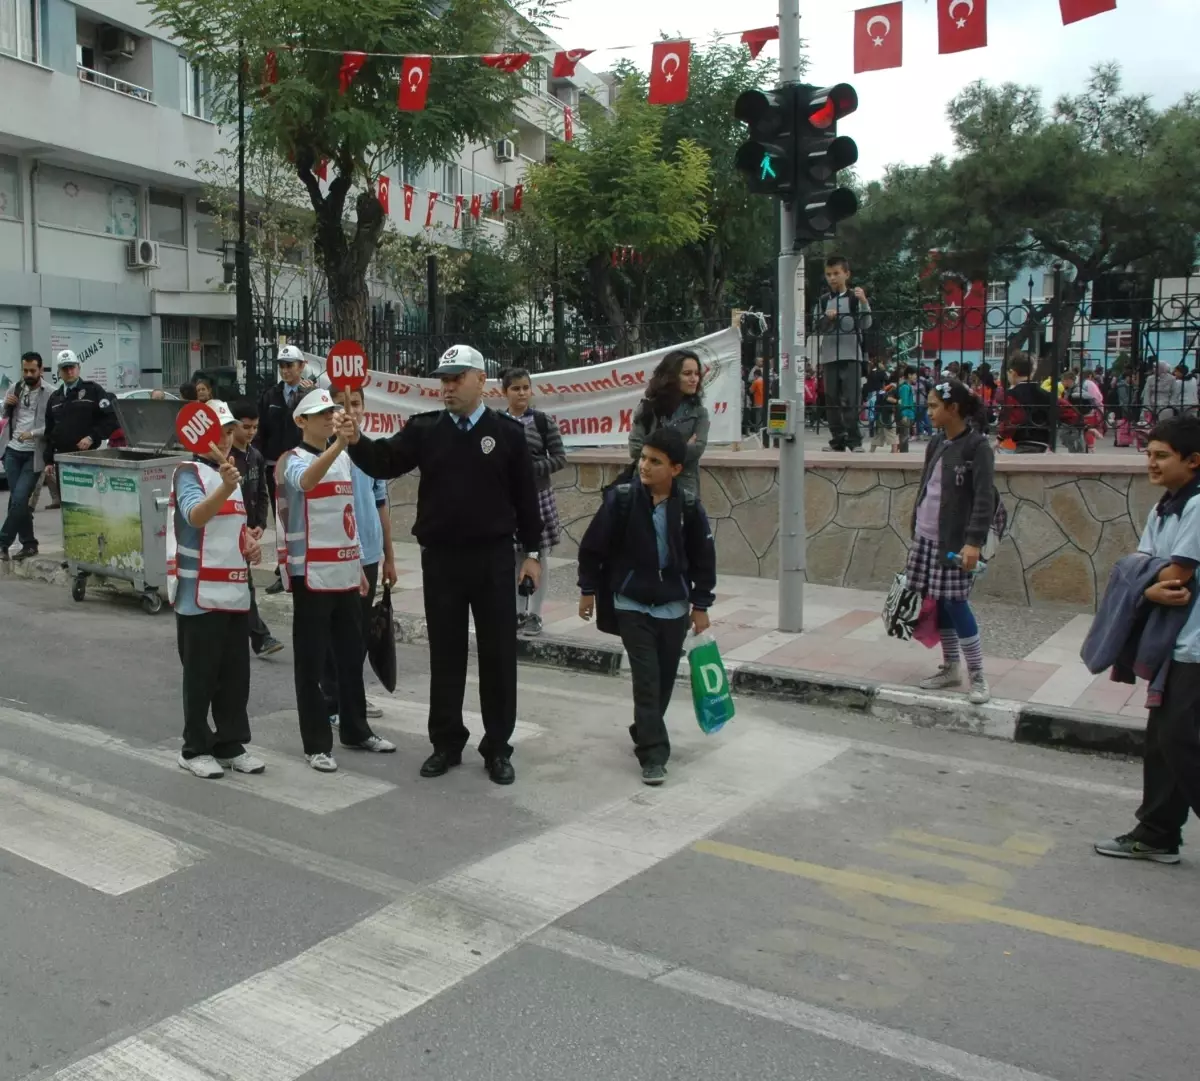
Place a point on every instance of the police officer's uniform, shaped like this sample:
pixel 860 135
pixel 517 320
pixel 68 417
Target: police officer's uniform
pixel 81 410
pixel 477 491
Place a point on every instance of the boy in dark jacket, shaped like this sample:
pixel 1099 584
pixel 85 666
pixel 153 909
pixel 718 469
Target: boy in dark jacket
pixel 1171 763
pixel 651 547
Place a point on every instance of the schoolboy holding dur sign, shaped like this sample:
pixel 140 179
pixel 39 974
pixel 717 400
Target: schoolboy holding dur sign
pixel 208 582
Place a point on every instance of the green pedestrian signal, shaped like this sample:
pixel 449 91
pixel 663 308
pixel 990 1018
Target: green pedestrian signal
pixel 767 159
pixel 767 172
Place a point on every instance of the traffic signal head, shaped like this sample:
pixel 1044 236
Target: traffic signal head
pixel 819 204
pixel 768 158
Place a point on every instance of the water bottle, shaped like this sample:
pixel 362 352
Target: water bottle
pixel 956 559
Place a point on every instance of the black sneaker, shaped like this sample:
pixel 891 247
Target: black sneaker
pixel 834 445
pixel 1128 847
pixel 269 647
pixel 275 588
pixel 654 775
pixel 26 551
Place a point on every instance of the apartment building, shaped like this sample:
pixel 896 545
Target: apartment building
pixel 105 245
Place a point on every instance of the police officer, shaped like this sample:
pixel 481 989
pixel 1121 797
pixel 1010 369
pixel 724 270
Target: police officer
pixel 477 491
pixel 79 414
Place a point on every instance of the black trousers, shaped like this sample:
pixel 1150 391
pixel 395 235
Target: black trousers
pixel 843 401
pixel 475 580
pixel 216 677
pixel 259 631
pixel 324 621
pixel 329 680
pixel 1171 767
pixel 655 647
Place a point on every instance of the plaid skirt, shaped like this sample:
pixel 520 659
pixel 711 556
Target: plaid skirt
pixel 929 574
pixel 551 530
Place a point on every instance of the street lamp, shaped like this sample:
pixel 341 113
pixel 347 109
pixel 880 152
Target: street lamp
pixel 229 259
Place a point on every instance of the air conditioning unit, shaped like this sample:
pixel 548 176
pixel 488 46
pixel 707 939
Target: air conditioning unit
pixel 141 255
pixel 506 150
pixel 117 44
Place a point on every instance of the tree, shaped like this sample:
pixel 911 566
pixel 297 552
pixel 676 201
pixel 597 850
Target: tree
pixel 1099 183
pixel 303 117
pixel 614 187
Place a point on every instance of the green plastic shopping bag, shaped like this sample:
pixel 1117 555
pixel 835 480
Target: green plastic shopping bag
pixel 710 685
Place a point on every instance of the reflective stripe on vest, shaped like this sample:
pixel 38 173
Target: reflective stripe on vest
pixel 222 579
pixel 328 547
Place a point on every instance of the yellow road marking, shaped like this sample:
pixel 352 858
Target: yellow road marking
pixel 1023 850
pixel 937 897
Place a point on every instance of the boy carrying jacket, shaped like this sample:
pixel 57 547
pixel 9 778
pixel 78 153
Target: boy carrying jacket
pixel 647 556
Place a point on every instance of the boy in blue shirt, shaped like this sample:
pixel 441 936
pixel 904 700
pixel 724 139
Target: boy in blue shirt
pixel 1171 767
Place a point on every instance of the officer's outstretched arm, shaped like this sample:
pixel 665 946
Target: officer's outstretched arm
pixel 385 459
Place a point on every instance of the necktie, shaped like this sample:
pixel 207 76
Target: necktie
pixel 464 425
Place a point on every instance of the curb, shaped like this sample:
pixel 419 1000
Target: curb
pixel 1019 722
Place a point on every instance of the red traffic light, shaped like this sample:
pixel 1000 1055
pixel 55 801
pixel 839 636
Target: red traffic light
pixel 826 107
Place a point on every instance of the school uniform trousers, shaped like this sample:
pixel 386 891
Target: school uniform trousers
pixel 329 680
pixel 215 653
pixel 654 647
pixel 474 579
pixel 1171 763
pixel 321 622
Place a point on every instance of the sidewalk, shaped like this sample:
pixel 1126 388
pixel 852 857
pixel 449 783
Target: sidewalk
pixel 1041 691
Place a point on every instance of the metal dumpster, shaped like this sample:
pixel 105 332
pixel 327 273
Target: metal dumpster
pixel 114 502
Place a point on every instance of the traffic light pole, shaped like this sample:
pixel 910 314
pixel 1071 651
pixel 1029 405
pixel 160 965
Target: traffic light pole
pixel 792 322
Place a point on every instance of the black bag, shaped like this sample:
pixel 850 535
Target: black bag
pixel 381 641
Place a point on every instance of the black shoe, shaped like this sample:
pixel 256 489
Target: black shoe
pixel 836 446
pixel 440 763
pixel 501 771
pixel 654 774
pixel 26 551
pixel 275 587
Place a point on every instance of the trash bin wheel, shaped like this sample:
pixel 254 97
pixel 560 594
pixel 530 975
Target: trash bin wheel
pixel 152 603
pixel 79 587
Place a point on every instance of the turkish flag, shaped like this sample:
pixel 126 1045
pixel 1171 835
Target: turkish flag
pixel 507 61
pixel 409 192
pixel 271 67
pixel 433 198
pixel 414 83
pixel 669 72
pixel 458 209
pixel 962 25
pixel 518 196
pixel 476 206
pixel 322 170
pixel 878 37
pixel 958 322
pixel 564 62
pixel 568 124
pixel 496 201
pixel 351 65
pixel 1074 10
pixel 754 40
pixel 383 192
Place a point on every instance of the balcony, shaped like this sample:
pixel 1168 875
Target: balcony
pixel 117 86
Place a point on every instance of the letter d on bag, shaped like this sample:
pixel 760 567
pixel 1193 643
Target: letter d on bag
pixel 714 678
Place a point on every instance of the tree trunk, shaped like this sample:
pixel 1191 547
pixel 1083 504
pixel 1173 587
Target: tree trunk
pixel 606 295
pixel 1065 312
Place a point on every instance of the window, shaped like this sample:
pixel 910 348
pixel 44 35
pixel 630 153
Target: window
pixel 997 293
pixel 10 188
pixel 19 29
pixel 194 96
pixel 1119 341
pixel 451 180
pixel 208 234
pixel 166 218
pixel 1048 286
pixel 995 347
pixel 91 204
pixel 176 352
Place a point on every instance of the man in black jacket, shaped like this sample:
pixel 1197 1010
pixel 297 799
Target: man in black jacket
pixel 651 546
pixel 79 414
pixel 477 491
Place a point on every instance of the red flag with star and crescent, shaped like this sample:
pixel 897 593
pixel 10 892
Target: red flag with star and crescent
pixel 409 192
pixel 351 65
pixel 430 208
pixel 1075 10
pixel 383 193
pixel 962 25
pixel 414 83
pixel 507 61
pixel 879 37
pixel 518 198
pixel 458 209
pixel 564 62
pixel 669 72
pixel 568 124
pixel 496 201
pixel 754 40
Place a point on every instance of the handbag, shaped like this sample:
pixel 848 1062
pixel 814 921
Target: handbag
pixel 711 696
pixel 381 641
pixel 901 609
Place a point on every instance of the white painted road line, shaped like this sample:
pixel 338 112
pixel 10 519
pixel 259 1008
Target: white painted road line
pixel 844 1028
pixel 412 718
pixel 287 1020
pixel 96 849
pixel 288 779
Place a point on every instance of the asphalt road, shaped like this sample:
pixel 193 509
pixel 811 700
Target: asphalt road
pixel 812 897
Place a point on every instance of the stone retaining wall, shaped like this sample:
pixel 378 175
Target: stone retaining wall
pixel 1065 529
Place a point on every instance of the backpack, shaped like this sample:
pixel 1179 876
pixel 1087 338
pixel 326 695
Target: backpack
pixel 606 613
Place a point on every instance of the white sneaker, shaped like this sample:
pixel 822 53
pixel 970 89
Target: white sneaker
pixel 244 763
pixel 203 765
pixel 374 709
pixel 375 745
pixel 948 676
pixel 980 691
pixel 322 763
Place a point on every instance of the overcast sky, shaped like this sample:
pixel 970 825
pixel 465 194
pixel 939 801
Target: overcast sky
pixel 901 114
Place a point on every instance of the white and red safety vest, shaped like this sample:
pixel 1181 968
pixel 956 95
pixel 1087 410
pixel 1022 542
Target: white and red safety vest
pixel 218 566
pixel 318 533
